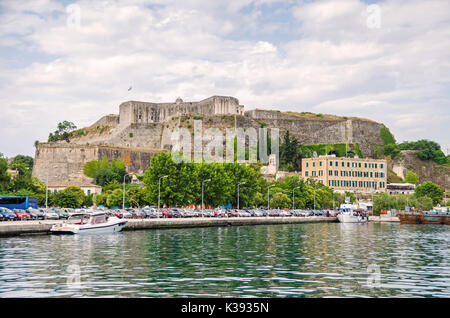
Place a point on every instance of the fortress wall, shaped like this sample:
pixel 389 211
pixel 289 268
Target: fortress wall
pixel 109 120
pixel 139 136
pixel 367 135
pixel 426 169
pixel 69 161
pixel 140 112
pixel 137 160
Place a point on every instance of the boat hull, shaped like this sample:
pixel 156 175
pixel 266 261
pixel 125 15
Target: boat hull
pixel 421 218
pixel 346 218
pixel 88 228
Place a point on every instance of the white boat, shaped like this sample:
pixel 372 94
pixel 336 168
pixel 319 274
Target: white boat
pixel 84 223
pixel 349 213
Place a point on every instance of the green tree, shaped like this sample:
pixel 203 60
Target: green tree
pixel 66 199
pixel 430 190
pixel 5 178
pixel 63 132
pixel 78 193
pixel 135 197
pixel 411 177
pixel 115 199
pixel 290 153
pixel 280 200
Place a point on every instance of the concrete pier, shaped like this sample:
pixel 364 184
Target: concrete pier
pixel 384 218
pixel 11 228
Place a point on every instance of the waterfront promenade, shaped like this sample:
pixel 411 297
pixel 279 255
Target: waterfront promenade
pixel 42 227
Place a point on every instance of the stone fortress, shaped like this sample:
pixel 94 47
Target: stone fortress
pixel 143 129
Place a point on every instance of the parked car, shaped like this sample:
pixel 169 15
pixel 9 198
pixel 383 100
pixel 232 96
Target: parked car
pixel 40 213
pixel 284 213
pixel 138 214
pixel 51 215
pixel 167 213
pixel 63 214
pixel 33 215
pixel 7 214
pixel 118 214
pixel 233 213
pixel 22 215
pixel 126 214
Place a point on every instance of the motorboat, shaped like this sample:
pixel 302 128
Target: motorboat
pixel 83 223
pixel 349 213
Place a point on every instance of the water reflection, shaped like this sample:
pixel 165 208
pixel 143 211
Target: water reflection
pixel 303 260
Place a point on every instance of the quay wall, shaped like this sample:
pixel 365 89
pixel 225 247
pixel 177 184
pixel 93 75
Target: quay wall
pixel 43 227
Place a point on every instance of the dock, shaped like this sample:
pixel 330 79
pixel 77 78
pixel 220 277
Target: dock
pixel 384 218
pixel 14 228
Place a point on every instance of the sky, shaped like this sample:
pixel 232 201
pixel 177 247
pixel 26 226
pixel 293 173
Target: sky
pixel 388 61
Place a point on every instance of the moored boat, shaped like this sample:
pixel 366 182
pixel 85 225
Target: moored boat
pixel 350 214
pixel 84 223
pixel 424 217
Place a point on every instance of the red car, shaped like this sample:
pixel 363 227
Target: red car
pixel 118 214
pixel 167 214
pixel 22 215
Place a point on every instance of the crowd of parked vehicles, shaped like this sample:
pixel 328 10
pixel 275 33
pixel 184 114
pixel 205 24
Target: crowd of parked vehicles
pixel 153 212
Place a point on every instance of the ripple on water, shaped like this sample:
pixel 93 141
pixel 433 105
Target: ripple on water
pixel 303 260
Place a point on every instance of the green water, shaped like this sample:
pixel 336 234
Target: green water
pixel 303 260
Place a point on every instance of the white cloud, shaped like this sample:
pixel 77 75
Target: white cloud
pixel 397 74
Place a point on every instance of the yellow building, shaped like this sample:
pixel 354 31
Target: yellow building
pixel 362 175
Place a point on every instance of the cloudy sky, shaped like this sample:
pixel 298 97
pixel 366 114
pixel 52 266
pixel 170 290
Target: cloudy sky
pixel 75 60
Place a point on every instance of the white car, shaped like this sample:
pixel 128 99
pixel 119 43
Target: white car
pixel 51 215
pixel 127 214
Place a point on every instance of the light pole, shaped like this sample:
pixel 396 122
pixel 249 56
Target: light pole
pixel 46 189
pixel 333 199
pixel 268 196
pixel 315 194
pixel 238 194
pixel 203 185
pixel 159 193
pixel 123 199
pixel 293 197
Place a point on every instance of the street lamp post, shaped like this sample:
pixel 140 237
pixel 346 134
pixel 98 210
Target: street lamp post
pixel 333 200
pixel 203 185
pixel 268 196
pixel 46 189
pixel 238 194
pixel 293 197
pixel 159 193
pixel 123 199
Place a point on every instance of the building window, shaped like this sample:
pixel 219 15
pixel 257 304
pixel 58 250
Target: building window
pixel 331 163
pixel 306 174
pixel 307 165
